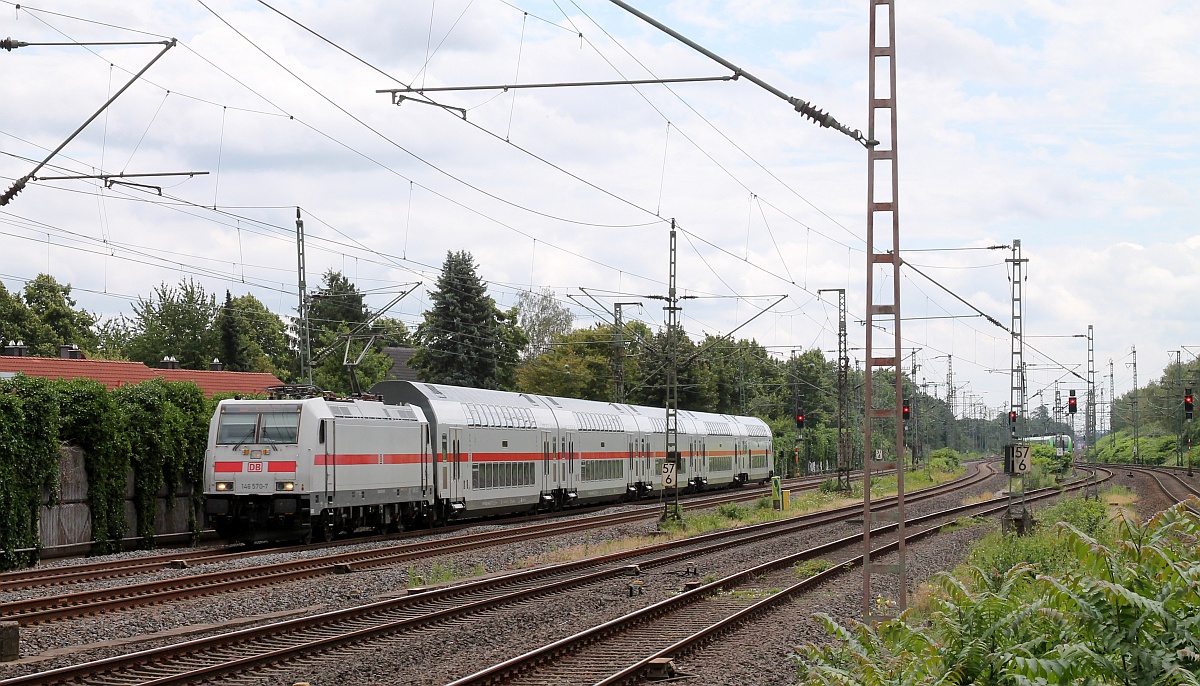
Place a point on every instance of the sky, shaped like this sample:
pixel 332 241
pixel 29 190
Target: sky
pixel 1065 124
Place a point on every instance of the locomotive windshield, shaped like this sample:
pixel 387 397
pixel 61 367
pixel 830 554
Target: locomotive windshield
pixel 258 424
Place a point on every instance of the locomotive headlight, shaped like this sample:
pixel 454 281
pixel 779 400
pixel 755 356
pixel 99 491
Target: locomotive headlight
pixel 285 485
pixel 224 485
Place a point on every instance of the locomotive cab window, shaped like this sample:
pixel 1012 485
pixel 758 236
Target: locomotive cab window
pixel 258 424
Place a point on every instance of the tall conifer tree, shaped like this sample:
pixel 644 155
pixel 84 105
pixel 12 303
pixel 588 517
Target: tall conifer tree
pixel 463 340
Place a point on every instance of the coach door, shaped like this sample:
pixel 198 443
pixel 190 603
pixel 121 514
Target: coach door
pixel 329 434
pixel 425 465
pixel 547 462
pixel 456 489
pixel 569 467
pixel 631 472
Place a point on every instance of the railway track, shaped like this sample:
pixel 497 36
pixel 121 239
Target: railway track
pixel 1175 486
pixel 221 656
pixel 624 650
pixel 63 606
pixel 58 575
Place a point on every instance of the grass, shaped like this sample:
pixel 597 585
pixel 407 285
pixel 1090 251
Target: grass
pixel 965 523
pixel 810 568
pixel 752 593
pixel 884 486
pixel 1121 502
pixel 972 499
pixel 442 573
pixel 733 515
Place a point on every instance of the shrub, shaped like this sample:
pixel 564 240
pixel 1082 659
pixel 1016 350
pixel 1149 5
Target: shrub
pixel 947 459
pixel 733 511
pixel 1119 613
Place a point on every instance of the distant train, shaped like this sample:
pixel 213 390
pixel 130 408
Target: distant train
pixel 1056 441
pixel 426 453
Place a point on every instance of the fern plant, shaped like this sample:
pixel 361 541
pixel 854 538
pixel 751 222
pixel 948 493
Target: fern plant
pixel 1125 613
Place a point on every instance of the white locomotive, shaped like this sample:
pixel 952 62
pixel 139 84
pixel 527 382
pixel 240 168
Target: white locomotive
pixel 426 453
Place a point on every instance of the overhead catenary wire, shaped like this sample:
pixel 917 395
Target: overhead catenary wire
pixel 731 289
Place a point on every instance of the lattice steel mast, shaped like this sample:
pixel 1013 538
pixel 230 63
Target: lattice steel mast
pixel 843 384
pixel 302 335
pixel 672 402
pixel 883 206
pixel 1090 418
pixel 1016 511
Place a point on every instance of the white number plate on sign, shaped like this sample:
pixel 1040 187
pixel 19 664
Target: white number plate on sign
pixel 668 474
pixel 1021 461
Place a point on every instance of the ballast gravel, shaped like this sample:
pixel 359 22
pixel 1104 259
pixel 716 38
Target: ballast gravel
pixel 439 654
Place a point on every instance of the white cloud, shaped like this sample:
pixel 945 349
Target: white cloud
pixel 1066 124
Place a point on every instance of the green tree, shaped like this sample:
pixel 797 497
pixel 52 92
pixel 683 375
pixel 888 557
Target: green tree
pixel 16 321
pixel 113 336
pixel 697 385
pixel 465 339
pixel 543 318
pixel 337 302
pixel 578 365
pixel 252 338
pixel 233 337
pixel 747 380
pixel 176 322
pixel 59 322
pixel 392 333
pixel 338 309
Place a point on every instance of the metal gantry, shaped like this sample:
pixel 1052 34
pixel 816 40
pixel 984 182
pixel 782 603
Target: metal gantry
pixel 1016 513
pixel 1090 418
pixel 1112 398
pixel 672 402
pixel 843 385
pixel 1134 401
pixel 9 44
pixel 302 334
pixel 883 204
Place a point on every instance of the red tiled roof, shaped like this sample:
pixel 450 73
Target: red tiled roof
pixel 113 374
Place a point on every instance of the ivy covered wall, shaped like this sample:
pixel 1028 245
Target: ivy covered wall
pixel 156 429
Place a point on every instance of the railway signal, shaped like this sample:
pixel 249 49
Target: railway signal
pixel 1187 403
pixel 1012 417
pixel 1071 403
pixel 799 420
pixel 906 411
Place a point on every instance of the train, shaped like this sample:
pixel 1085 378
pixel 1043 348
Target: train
pixel 411 454
pixel 1063 441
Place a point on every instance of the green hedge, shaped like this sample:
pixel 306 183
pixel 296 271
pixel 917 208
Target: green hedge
pixel 29 450
pixel 156 428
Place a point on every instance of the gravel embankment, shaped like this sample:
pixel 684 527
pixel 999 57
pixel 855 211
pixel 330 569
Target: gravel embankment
pixel 437 655
pixel 444 654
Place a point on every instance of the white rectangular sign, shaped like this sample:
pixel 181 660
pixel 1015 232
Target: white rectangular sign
pixel 1021 460
pixel 668 474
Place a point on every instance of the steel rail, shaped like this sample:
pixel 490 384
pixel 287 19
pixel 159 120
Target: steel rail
pixel 38 577
pixel 241 640
pixel 512 670
pixel 63 606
